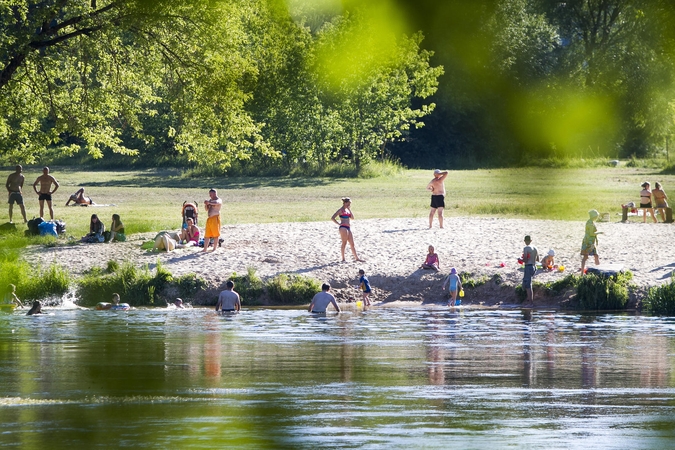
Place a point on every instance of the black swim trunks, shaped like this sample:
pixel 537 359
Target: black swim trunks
pixel 646 205
pixel 438 201
pixel 47 197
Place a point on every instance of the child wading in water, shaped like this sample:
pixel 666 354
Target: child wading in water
pixel 455 285
pixel 364 284
pixel 432 262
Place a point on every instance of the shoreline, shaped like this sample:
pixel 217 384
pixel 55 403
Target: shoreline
pixel 393 250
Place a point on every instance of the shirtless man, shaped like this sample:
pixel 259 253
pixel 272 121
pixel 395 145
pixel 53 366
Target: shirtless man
pixel 228 300
pixel 212 231
pixel 437 188
pixel 45 193
pixel 322 300
pixel 14 187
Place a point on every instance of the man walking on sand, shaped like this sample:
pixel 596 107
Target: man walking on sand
pixel 437 188
pixel 14 187
pixel 530 258
pixel 45 193
pixel 212 230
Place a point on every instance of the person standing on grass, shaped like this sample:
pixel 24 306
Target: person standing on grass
pixel 530 258
pixel 437 188
pixel 228 300
pixel 14 187
pixel 588 245
pixel 212 230
pixel 45 192
pixel 322 299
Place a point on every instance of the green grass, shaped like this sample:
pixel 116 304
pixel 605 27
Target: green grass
pixel 660 300
pixel 150 200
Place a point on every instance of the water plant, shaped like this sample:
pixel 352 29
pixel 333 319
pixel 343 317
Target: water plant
pixel 250 286
pixel 189 284
pixel 660 300
pixel 597 292
pixel 292 289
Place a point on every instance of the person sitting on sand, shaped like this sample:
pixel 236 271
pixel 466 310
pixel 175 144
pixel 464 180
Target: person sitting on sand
pixel 660 200
pixel 432 262
pixel 78 198
pixel 228 300
pixel 646 202
pixel 321 300
pixel 117 230
pixel 11 297
pixel 344 228
pixel 589 244
pixel 96 230
pixel 190 234
pixel 35 309
pixel 454 286
pixel 364 285
pixel 548 261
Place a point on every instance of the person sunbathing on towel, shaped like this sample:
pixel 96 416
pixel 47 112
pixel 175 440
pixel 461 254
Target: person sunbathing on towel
pixel 80 199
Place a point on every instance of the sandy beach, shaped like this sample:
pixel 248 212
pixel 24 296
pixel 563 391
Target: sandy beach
pixel 393 250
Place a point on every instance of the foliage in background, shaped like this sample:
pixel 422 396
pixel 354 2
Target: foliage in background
pixel 292 289
pixel 250 286
pixel 138 287
pixel 596 292
pixel 189 285
pixel 660 300
pixel 40 284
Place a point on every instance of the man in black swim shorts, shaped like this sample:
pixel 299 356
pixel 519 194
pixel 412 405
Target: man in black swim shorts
pixel 437 188
pixel 45 193
pixel 14 187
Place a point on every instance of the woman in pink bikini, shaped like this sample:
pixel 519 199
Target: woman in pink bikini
pixel 345 215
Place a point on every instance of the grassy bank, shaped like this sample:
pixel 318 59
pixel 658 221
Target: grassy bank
pixel 151 200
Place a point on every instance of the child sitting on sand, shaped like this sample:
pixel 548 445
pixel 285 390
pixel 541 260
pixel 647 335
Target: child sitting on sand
pixel 364 284
pixel 432 262
pixel 455 285
pixel 548 262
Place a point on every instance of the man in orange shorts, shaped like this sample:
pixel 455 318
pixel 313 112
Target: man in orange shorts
pixel 212 231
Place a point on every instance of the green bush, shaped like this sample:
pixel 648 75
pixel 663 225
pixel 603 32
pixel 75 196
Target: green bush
pixel 138 287
pixel 468 282
pixel 292 289
pixel 249 286
pixel 602 293
pixel 112 266
pixel 660 300
pixel 189 284
pixel 53 282
pixel 559 286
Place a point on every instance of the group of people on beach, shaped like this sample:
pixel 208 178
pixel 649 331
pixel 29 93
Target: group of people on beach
pixel 190 232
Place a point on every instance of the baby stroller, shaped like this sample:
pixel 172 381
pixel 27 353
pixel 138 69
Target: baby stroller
pixel 189 212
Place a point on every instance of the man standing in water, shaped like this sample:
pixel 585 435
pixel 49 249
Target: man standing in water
pixel 437 188
pixel 212 230
pixel 322 300
pixel 45 193
pixel 228 300
pixel 530 258
pixel 14 187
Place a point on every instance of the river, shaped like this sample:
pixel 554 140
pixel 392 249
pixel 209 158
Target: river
pixel 398 377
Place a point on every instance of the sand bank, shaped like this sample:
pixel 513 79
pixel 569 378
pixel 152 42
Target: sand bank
pixel 393 250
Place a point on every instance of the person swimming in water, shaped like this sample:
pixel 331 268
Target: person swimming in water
pixel 35 309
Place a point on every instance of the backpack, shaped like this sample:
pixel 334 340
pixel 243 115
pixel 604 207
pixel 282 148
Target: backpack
pixel 60 227
pixel 33 226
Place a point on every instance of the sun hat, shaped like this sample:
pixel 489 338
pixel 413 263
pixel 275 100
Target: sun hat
pixel 453 270
pixel 593 213
pixel 551 252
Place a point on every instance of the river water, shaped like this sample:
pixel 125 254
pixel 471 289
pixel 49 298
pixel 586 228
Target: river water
pixel 384 378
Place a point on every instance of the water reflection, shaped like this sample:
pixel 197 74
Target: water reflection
pixel 382 377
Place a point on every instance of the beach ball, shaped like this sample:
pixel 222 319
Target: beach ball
pixel 561 268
